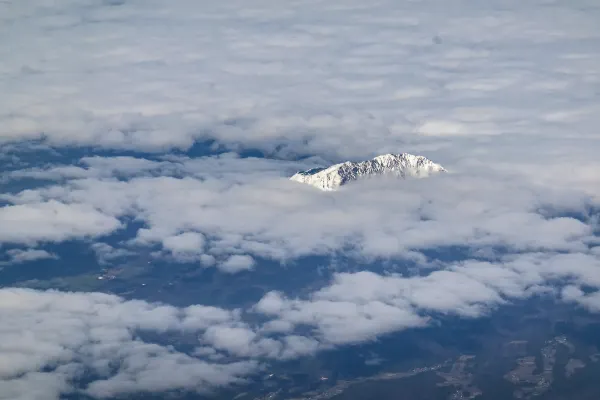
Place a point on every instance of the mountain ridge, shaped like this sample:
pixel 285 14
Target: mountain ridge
pixel 403 165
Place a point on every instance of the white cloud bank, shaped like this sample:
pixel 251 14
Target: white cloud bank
pixel 508 83
pixel 360 306
pixel 213 212
pixel 52 221
pixel 50 338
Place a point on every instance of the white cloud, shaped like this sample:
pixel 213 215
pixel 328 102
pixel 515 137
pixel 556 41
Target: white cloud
pixel 106 253
pixel 53 221
pixel 151 368
pixel 36 385
pixel 237 263
pixel 591 301
pixel 219 215
pixel 361 306
pixel 48 338
pixel 62 333
pixel 202 317
pixel 187 246
pixel 236 340
pixel 19 256
pixel 227 74
pixel 433 128
pixel 97 167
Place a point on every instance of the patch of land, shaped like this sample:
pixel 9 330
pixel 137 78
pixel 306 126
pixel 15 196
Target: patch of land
pixel 572 366
pixel 342 386
pixel 529 382
pixel 460 379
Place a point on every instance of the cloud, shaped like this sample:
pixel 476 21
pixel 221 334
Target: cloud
pixel 147 365
pixel 50 339
pixel 96 166
pixel 53 221
pixel 186 246
pixel 101 345
pixel 214 212
pixel 19 256
pixel 574 294
pixel 513 240
pixel 237 263
pixel 361 306
pixel 336 95
pixel 340 322
pixel 106 254
pixel 239 341
pixel 67 334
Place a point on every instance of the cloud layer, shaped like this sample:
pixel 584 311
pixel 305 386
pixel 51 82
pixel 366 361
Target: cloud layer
pixel 459 83
pixel 262 213
pixel 512 240
pixel 51 340
pixel 94 343
pixel 95 96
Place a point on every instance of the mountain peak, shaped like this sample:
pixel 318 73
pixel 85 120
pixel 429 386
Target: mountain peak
pixel 403 165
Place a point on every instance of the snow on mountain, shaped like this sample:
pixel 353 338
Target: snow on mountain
pixel 402 165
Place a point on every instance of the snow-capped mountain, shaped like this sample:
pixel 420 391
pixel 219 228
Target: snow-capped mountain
pixel 402 165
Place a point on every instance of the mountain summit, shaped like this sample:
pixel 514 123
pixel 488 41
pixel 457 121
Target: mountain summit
pixel 403 165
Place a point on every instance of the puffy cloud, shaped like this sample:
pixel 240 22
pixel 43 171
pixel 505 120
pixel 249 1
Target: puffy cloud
pixel 591 301
pixel 106 253
pixel 68 333
pixel 50 338
pixel 199 317
pixel 219 214
pixel 96 166
pixel 184 242
pixel 236 340
pixel 237 263
pixel 151 368
pixel 53 221
pixel 187 246
pixel 340 320
pixel 37 385
pixel 361 306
